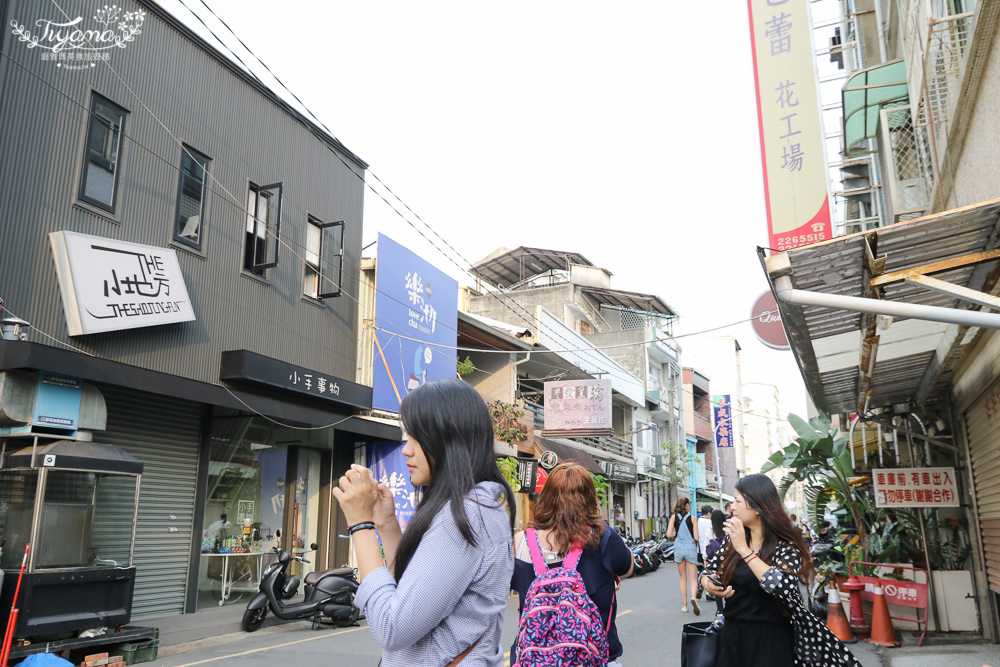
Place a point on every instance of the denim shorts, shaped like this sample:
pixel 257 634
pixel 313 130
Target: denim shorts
pixel 686 551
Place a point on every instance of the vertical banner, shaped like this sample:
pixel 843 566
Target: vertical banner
pixel 722 418
pixel 386 460
pixel 700 473
pixel 271 463
pixel 416 324
pixel 791 133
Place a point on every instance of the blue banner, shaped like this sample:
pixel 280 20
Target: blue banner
pixel 386 461
pixel 722 417
pixel 416 324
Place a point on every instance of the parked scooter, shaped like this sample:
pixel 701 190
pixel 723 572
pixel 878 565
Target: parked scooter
pixel 328 595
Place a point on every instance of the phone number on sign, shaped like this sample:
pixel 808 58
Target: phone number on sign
pixel 786 242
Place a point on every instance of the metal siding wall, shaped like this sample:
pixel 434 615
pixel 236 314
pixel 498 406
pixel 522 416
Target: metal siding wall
pixel 44 113
pixel 984 447
pixel 165 435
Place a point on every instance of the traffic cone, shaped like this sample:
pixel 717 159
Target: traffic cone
pixel 883 634
pixel 836 619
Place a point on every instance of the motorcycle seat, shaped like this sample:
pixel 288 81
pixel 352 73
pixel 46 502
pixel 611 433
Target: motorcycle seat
pixel 314 577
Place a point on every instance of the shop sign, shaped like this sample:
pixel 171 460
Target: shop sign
pixel 576 405
pixel 700 472
pixel 915 487
pixel 57 403
pixel 110 285
pixel 619 472
pixel 388 463
pixel 416 324
pixel 527 474
pixel 791 136
pixel 766 322
pixel 722 417
pixel 252 367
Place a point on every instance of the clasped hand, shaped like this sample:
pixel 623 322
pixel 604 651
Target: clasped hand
pixel 362 498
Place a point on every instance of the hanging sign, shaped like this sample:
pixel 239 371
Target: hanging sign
pixel 916 487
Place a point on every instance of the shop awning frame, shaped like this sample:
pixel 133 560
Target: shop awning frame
pixel 880 318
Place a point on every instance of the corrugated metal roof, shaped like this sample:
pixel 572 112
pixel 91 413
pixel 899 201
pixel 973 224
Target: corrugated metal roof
pixel 914 358
pixel 515 266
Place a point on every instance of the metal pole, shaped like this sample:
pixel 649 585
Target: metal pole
pixel 927 561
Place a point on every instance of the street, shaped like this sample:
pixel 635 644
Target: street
pixel 649 624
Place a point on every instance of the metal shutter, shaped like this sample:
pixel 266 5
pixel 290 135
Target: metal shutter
pixel 982 424
pixel 164 433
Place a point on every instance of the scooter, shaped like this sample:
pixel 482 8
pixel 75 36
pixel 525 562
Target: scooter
pixel 328 595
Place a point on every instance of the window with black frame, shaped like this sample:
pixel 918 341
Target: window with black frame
pixel 191 194
pixel 102 159
pixel 324 258
pixel 263 226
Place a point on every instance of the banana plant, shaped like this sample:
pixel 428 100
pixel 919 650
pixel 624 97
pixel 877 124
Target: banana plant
pixel 821 461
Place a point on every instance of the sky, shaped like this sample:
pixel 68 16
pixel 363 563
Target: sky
pixel 626 132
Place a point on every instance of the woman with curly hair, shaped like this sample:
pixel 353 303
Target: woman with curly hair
pixel 760 564
pixel 567 513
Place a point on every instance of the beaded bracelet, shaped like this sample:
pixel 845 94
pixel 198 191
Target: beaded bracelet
pixel 365 525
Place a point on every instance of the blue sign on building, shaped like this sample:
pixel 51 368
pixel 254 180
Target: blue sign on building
pixel 416 324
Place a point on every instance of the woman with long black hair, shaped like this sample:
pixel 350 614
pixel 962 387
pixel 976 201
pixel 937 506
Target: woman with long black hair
pixel 760 564
pixel 441 593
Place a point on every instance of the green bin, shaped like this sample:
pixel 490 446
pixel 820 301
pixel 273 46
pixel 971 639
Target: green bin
pixel 141 651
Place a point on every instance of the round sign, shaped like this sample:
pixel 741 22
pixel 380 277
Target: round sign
pixel 767 322
pixel 548 459
pixel 540 478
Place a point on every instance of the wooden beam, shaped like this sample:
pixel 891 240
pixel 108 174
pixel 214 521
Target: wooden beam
pixel 937 267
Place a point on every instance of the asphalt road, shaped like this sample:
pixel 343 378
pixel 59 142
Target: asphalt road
pixel 649 624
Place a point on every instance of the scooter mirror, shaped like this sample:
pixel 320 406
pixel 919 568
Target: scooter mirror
pixel 277 533
pixel 314 546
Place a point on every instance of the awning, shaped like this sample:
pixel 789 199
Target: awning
pixel 856 360
pixel 76 455
pixel 718 495
pixel 865 94
pixel 567 453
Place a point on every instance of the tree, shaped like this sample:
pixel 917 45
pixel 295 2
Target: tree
pixel 822 462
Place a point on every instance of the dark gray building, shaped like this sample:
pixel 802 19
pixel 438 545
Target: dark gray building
pixel 186 249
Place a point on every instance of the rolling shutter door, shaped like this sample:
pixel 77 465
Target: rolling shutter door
pixel 164 433
pixel 982 424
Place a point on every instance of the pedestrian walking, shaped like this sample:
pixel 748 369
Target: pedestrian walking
pixel 760 565
pixel 684 532
pixel 442 590
pixel 567 513
pixel 718 533
pixel 704 531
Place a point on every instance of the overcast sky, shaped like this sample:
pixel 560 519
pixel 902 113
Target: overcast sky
pixel 626 132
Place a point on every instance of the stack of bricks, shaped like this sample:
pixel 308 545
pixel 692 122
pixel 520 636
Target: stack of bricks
pixel 103 660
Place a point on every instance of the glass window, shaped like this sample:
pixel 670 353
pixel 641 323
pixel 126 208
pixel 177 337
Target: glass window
pixel 263 222
pixel 191 192
pixel 324 258
pixel 99 182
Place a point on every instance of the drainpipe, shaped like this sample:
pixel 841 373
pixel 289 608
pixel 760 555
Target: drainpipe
pixel 970 318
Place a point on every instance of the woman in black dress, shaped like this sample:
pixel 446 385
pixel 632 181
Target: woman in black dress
pixel 760 564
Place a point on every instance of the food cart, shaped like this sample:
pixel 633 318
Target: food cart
pixel 75 502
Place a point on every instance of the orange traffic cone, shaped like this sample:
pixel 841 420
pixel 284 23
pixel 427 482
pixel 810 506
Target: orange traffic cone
pixel 883 634
pixel 836 619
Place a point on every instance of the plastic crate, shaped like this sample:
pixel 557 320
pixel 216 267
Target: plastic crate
pixel 142 651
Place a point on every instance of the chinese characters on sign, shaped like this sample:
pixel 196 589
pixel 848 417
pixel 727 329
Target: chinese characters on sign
pixel 575 405
pixel 109 285
pixel 722 417
pixel 791 135
pixel 388 464
pixel 915 487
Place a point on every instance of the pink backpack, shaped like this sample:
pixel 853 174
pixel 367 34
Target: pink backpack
pixel 560 624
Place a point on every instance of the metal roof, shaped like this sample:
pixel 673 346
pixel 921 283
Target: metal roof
pixel 913 358
pixel 649 303
pixel 516 266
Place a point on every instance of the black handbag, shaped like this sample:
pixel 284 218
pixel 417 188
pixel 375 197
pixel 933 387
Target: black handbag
pixel 700 644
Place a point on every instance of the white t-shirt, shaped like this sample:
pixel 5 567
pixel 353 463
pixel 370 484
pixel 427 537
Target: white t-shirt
pixel 705 533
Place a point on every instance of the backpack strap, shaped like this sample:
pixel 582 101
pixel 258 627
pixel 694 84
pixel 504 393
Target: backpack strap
pixel 537 559
pixel 573 557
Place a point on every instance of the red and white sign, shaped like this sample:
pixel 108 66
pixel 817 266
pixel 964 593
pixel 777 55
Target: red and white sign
pixel 767 322
pixel 916 487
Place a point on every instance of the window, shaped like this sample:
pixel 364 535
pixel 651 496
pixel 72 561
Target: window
pixel 263 221
pixel 189 220
pixel 99 181
pixel 324 258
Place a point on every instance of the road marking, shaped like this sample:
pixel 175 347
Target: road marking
pixel 268 648
pixel 627 611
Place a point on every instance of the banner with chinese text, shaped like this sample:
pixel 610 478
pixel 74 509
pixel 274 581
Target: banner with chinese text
pixel 387 463
pixel 915 487
pixel 578 405
pixel 791 133
pixel 722 419
pixel 416 324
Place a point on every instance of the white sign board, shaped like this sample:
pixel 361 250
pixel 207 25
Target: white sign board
pixel 109 285
pixel 915 487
